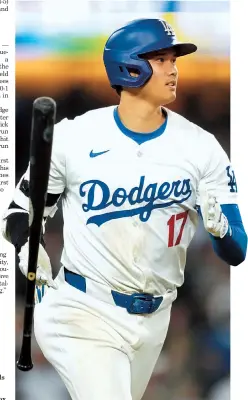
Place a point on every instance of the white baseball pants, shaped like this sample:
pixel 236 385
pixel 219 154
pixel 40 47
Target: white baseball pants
pixel 99 350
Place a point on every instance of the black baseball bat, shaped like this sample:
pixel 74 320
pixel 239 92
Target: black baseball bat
pixel 43 119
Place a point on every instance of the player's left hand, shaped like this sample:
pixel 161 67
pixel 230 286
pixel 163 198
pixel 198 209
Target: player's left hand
pixel 215 222
pixel 44 268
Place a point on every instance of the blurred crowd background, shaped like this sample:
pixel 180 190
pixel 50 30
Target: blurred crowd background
pixel 59 53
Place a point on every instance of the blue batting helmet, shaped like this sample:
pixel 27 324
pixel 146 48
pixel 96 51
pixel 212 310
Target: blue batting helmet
pixel 124 49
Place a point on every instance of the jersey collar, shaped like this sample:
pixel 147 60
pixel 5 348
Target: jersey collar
pixel 139 137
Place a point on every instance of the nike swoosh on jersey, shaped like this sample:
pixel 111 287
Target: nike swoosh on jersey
pixel 94 154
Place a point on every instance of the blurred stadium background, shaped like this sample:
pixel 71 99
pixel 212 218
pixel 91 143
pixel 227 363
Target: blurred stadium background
pixel 59 53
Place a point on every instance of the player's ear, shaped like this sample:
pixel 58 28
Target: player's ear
pixel 133 72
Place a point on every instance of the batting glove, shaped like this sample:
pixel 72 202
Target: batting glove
pixel 44 268
pixel 40 291
pixel 215 222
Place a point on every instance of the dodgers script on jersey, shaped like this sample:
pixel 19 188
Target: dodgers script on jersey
pixel 130 210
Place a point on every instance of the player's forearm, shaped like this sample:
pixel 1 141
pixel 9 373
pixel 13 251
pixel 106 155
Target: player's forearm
pixel 233 246
pixel 16 221
pixel 16 227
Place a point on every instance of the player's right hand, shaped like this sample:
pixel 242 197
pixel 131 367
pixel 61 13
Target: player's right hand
pixel 214 220
pixel 44 268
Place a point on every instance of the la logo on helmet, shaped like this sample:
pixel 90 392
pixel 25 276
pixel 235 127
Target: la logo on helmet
pixel 168 29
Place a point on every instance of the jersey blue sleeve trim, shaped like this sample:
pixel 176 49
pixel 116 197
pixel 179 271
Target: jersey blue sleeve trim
pixel 233 246
pixel 136 136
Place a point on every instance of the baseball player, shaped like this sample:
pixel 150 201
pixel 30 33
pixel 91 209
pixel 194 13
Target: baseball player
pixel 133 179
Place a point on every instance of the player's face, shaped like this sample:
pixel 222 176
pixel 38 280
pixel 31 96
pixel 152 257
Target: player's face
pixel 161 88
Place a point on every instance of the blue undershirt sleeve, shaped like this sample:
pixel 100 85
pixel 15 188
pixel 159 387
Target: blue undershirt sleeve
pixel 232 247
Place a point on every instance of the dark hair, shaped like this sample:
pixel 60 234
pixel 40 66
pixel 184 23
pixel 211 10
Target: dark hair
pixel 118 89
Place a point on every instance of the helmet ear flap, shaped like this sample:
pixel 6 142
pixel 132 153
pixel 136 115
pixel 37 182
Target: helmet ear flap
pixel 133 75
pixel 131 71
pixel 125 69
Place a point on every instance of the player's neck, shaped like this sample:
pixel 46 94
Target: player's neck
pixel 139 115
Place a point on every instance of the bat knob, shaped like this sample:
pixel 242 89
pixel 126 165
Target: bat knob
pixel 24 367
pixel 25 360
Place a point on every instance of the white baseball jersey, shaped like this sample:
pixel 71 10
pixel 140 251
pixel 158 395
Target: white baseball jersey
pixel 130 210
